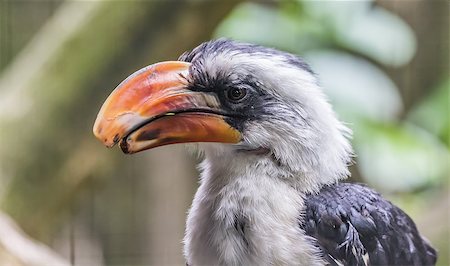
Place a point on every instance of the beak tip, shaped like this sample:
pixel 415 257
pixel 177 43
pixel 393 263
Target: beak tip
pixel 105 138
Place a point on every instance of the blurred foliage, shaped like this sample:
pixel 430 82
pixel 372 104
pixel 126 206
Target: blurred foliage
pixel 386 76
pixel 400 157
pixel 433 113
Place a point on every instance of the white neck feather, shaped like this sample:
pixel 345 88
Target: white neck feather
pixel 243 214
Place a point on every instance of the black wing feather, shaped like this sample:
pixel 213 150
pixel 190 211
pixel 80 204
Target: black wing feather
pixel 354 225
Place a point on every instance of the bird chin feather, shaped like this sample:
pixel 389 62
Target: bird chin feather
pixel 200 149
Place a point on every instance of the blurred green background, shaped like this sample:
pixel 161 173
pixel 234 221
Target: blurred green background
pixel 66 200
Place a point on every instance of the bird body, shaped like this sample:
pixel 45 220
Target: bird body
pixel 274 154
pixel 241 215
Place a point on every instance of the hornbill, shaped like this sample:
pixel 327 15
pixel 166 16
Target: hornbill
pixel 274 152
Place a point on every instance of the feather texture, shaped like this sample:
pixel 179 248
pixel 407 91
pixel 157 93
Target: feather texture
pixel 354 225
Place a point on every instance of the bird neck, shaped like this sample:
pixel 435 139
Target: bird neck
pixel 243 214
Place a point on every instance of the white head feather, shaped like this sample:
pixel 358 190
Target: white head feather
pixel 298 125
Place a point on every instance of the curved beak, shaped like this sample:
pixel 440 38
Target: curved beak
pixel 154 107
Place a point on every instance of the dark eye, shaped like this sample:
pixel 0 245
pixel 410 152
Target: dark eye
pixel 236 94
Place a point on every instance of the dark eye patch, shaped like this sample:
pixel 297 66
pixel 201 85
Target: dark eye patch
pixel 250 106
pixel 200 80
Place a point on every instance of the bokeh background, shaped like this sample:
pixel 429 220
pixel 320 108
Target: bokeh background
pixel 66 200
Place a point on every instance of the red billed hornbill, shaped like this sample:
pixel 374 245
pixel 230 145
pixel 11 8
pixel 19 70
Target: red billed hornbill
pixel 274 152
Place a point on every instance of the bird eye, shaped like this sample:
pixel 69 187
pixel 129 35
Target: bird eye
pixel 236 94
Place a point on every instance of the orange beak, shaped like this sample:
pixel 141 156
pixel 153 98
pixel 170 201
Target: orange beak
pixel 154 107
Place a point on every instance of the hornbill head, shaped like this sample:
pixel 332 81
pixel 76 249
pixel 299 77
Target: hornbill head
pixel 245 98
